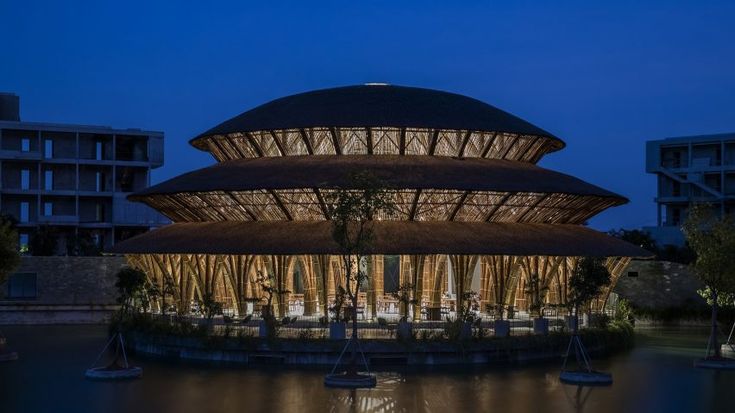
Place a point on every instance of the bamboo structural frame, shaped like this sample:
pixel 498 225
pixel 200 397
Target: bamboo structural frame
pixel 470 207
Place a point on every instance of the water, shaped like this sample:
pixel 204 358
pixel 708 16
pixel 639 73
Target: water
pixel 656 376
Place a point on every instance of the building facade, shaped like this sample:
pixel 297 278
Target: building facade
pixel 690 169
pixel 471 210
pixel 74 179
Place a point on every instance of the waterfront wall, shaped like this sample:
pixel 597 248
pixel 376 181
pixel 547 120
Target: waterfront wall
pixel 488 351
pixel 67 290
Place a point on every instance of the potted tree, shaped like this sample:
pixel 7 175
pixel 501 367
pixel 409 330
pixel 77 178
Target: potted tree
pixel 590 276
pixel 404 295
pixel 467 315
pixel 337 324
pixel 501 327
pixel 352 209
pixel 713 240
pixel 210 308
pixel 537 296
pixel 268 326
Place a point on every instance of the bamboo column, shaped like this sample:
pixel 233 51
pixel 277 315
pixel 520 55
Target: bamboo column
pixel 308 275
pixel 437 267
pixel 417 280
pixel 463 266
pixel 376 283
pixel 321 267
pixel 280 265
pixel 237 270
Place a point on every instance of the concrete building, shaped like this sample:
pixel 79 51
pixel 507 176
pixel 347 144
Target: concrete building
pixel 690 169
pixel 75 178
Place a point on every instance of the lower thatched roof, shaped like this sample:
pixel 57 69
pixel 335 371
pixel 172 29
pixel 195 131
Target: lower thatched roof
pixel 389 237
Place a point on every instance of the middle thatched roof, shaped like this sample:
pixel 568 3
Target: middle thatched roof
pixel 390 237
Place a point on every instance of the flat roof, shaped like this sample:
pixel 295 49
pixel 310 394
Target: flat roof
pixel 69 127
pixel 695 139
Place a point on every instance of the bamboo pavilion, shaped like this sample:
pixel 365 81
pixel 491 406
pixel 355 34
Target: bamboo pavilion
pixel 472 210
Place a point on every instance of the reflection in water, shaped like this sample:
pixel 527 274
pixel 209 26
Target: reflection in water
pixel 578 396
pixel 655 376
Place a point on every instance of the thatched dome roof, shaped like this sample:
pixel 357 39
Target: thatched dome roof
pixel 376 106
pixel 389 237
pixel 398 172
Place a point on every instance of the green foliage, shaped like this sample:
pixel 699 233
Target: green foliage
pixel 209 306
pixel 9 256
pixel 713 240
pixel 43 242
pixel 643 239
pixel 352 209
pixel 470 307
pixel 270 288
pixel 351 212
pixel 590 276
pixel 81 245
pixel 724 299
pixel 405 298
pixel 132 287
pixel 536 294
pixel 623 311
pixel 335 310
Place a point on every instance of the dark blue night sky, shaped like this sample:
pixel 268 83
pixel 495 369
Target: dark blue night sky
pixel 605 77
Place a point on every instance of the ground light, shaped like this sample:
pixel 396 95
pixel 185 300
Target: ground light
pixel 728 348
pixel 347 380
pixel 114 370
pixel 719 363
pixel 584 375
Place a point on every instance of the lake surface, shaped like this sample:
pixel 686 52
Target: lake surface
pixel 656 376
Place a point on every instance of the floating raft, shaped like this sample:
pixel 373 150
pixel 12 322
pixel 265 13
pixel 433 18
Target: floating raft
pixel 716 364
pixel 9 356
pixel 360 381
pixel 106 373
pixel 589 378
pixel 727 349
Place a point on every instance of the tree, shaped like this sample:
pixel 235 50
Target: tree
pixel 81 245
pixel 590 276
pixel 210 306
pixel 270 289
pixel 536 293
pixel 9 256
pixel 637 237
pixel 352 212
pixel 43 241
pixel 713 240
pixel 132 286
pixel 405 298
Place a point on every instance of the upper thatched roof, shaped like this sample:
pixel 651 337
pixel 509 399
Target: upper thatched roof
pixel 390 237
pixel 376 106
pixel 397 172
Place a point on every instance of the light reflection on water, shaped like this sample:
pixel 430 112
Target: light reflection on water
pixel 656 376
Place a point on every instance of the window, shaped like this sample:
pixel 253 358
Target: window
pixel 100 212
pixel 25 144
pixel 23 241
pixel 98 151
pixel 22 286
pixel 48 209
pixel 48 149
pixel 24 211
pixel 99 181
pixel 48 181
pixel 25 179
